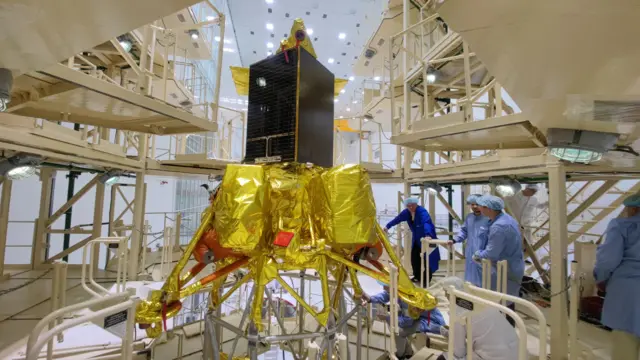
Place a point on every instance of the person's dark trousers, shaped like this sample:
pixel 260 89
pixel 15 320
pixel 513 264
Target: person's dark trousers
pixel 441 357
pixel 511 306
pixel 416 265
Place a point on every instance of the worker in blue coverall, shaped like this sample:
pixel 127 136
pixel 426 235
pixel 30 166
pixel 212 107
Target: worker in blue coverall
pixel 618 270
pixel 504 242
pixel 410 320
pixel 474 231
pixel 421 226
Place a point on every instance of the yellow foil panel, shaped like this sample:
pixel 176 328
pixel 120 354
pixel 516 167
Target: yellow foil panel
pixel 240 77
pixel 352 217
pixel 239 208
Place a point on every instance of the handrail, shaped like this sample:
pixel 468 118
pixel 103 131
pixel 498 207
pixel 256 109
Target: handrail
pixel 121 266
pixel 35 333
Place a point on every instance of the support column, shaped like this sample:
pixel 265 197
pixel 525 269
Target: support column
pixel 39 248
pixel 558 231
pixel 137 226
pixel 4 223
pixel 97 223
pixel 406 258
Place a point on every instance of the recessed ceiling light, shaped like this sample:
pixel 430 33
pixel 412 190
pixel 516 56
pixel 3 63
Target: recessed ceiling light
pixel 269 53
pixel 210 18
pixel 377 78
pixel 342 36
pixel 348 109
pixel 269 45
pixel 342 91
pixel 351 78
pixel 269 26
pixel 269 1
pixel 309 32
pixel 330 61
pixel 355 101
pixel 228 50
pixel 335 100
pixel 194 34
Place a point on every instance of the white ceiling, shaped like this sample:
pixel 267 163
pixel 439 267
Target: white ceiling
pixel 328 18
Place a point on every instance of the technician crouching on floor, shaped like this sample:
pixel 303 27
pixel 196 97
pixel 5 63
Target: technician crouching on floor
pixel 504 243
pixel 421 226
pixel 474 231
pixel 618 269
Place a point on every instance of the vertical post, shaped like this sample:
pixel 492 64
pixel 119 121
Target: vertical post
pixel 424 258
pixel 137 226
pixel 558 239
pixel 359 334
pixel 5 202
pixel 143 78
pixel 407 240
pixel 55 296
pixel 251 343
pixel 97 223
pixel 468 110
pixel 39 249
pixel 498 99
pixel 452 323
pixel 393 307
pixel 177 225
pixel 216 90
pixel 301 312
pixel 127 341
pixel 573 313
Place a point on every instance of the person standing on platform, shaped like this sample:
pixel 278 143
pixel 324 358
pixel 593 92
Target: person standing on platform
pixel 523 206
pixel 421 226
pixel 504 242
pixel 474 232
pixel 617 269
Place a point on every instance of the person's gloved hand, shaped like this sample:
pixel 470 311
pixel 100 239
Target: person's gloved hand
pixel 476 257
pixel 444 331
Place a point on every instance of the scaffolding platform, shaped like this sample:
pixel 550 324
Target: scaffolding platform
pixel 85 99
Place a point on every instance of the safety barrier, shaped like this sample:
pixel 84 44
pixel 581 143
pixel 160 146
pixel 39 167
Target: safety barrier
pixel 474 301
pixel 121 265
pixel 424 258
pixel 501 276
pixel 121 301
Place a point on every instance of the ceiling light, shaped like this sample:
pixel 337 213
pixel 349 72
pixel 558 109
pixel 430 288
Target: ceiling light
pixel 194 34
pixel 228 50
pixel 376 78
pixel 342 36
pixel 269 1
pixel 110 177
pixel 506 187
pixel 19 166
pixel 309 32
pixel 126 45
pixel 368 117
pixel 579 146
pixel 355 101
pixel 342 91
pixel 210 18
pixel 335 100
pixel 269 45
pixel 330 61
pixel 431 78
pixel 351 78
pixel 269 53
pixel 348 109
pixel 269 26
pixel 217 38
pixel 432 187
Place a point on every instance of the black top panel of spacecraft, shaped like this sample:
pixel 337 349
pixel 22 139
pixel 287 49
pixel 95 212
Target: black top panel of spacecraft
pixel 290 110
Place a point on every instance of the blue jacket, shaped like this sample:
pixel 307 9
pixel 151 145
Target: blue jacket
pixel 421 226
pixel 618 264
pixel 429 321
pixel 504 242
pixel 475 231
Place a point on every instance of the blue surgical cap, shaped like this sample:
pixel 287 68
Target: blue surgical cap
pixel 492 202
pixel 532 187
pixel 410 201
pixel 632 201
pixel 473 199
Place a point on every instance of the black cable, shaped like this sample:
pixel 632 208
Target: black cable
pixel 7 291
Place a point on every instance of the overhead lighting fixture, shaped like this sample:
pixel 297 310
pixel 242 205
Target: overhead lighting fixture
pixel 368 117
pixel 309 32
pixel 342 36
pixel 269 53
pixel 579 146
pixel 351 78
pixel 355 101
pixel 110 177
pixel 217 38
pixel 20 166
pixel 194 34
pixel 6 84
pixel 432 187
pixel 269 26
pixel 230 50
pixel 126 45
pixel 269 1
pixel 431 75
pixel 269 45
pixel 330 61
pixel 348 109
pixel 335 100
pixel 342 91
pixel 506 186
pixel 210 18
pixel 376 78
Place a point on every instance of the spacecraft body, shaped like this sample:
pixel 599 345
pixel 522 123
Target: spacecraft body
pixel 286 209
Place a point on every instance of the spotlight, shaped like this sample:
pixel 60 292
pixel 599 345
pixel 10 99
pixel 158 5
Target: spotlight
pixel 126 45
pixel 506 187
pixel 269 45
pixel 342 91
pixel 269 26
pixel 432 186
pixel 579 146
pixel 342 36
pixel 351 78
pixel 194 34
pixel 330 61
pixel 431 75
pixel 335 100
pixel 376 78
pixel 309 32
pixel 110 177
pixel 6 83
pixel 19 166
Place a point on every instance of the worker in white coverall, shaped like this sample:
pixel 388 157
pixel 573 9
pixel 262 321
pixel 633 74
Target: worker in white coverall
pixel 492 336
pixel 523 206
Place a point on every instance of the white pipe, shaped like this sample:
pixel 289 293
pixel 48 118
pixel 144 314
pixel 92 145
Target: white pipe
pixel 33 352
pixel 573 313
pixel 58 313
pixel 313 350
pixel 486 274
pixel 93 244
pixel 522 331
pixel 537 314
pixel 393 308
pixel 343 347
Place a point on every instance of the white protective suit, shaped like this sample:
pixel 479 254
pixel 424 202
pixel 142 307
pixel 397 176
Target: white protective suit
pixel 493 337
pixel 524 210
